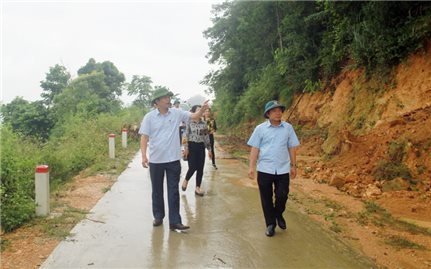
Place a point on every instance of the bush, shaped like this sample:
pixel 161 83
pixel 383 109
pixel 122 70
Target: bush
pixel 394 167
pixel 391 170
pixel 73 146
pixel 397 151
pixel 19 158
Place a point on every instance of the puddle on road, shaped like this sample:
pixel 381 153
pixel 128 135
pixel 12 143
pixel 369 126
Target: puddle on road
pixel 227 230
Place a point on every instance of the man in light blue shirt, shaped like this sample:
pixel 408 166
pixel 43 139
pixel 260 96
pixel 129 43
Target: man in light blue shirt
pixel 159 133
pixel 273 146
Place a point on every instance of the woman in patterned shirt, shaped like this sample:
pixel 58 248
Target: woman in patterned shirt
pixel 194 150
pixel 212 128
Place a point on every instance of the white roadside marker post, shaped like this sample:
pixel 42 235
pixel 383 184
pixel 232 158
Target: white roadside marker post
pixel 124 138
pixel 112 146
pixel 42 190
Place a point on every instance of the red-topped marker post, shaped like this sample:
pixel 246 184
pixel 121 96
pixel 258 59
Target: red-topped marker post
pixel 111 146
pixel 124 138
pixel 42 190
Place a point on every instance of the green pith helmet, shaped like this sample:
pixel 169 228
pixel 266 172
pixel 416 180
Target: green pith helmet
pixel 160 93
pixel 272 104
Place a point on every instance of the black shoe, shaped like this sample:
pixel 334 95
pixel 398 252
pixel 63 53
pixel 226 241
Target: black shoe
pixel 270 230
pixel 215 166
pixel 281 223
pixel 157 222
pixel 178 226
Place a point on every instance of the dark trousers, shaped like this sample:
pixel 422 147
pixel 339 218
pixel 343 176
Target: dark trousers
pixel 196 160
pixel 212 147
pixel 269 184
pixel 157 174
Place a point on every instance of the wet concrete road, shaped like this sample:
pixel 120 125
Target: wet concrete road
pixel 227 230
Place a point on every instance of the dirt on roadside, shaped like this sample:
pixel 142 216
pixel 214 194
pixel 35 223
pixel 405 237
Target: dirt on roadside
pixel 28 246
pixel 392 229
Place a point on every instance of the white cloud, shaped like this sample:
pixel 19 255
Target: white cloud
pixel 162 40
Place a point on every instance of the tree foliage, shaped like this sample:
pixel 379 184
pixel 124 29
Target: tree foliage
pixel 112 77
pixel 55 82
pixel 87 95
pixel 301 45
pixel 31 119
pixel 142 89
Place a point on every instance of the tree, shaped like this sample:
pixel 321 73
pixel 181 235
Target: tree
pixel 55 82
pixel 31 119
pixel 141 87
pixel 301 32
pixel 243 39
pixel 113 78
pixel 88 95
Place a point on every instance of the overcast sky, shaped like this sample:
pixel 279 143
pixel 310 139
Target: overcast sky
pixel 159 39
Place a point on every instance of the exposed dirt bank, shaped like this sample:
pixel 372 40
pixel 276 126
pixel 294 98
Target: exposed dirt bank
pixel 371 140
pixel 365 160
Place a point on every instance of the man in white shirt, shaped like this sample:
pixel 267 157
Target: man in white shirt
pixel 159 134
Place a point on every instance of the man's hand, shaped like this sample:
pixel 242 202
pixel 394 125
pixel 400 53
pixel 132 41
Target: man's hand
pixel 251 173
pixel 210 154
pixel 254 153
pixel 144 144
pixel 186 153
pixel 293 172
pixel 145 162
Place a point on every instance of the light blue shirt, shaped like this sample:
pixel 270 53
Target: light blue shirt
pixel 273 143
pixel 163 132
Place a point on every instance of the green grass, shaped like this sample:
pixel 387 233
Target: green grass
pixel 335 227
pixel 373 207
pixel 363 218
pixel 60 226
pixel 106 189
pixel 4 244
pixel 333 204
pixel 402 243
pixel 381 217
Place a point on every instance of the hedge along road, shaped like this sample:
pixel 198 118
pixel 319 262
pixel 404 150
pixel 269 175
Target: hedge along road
pixel 227 229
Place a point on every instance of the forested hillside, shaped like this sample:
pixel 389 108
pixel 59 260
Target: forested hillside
pixel 355 77
pixel 273 50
